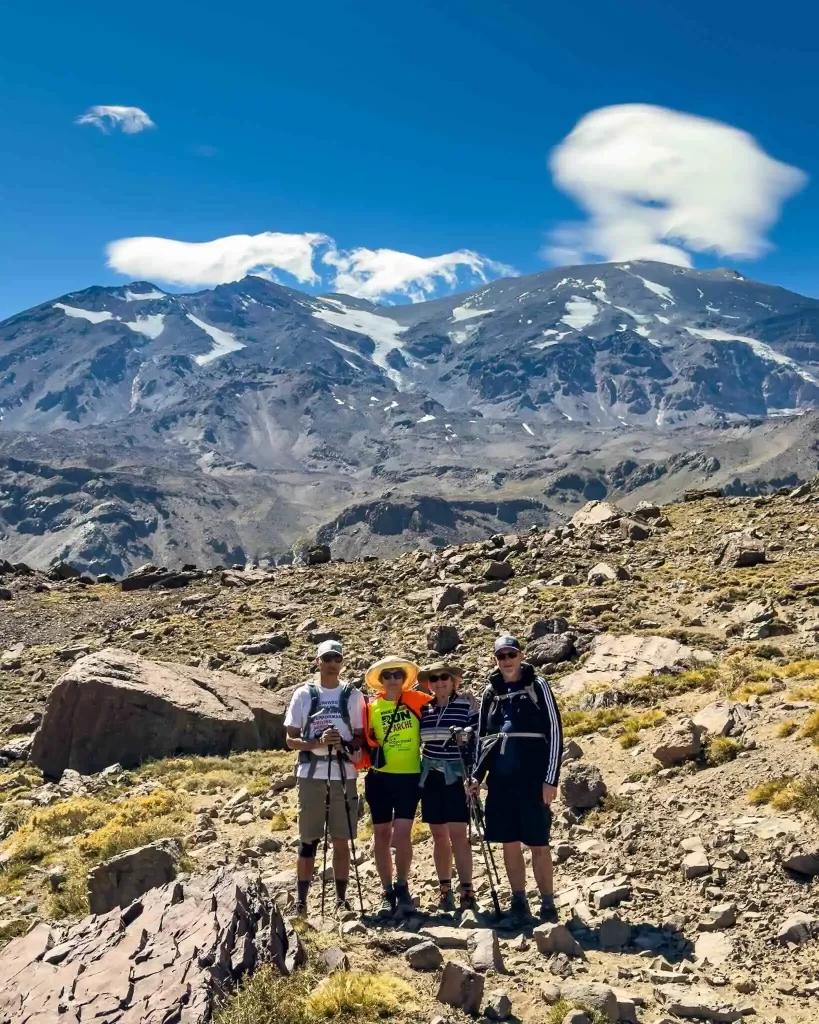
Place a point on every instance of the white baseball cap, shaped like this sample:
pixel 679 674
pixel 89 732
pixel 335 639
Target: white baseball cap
pixel 329 647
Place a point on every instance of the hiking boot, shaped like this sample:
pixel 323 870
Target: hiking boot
pixel 403 900
pixel 387 905
pixel 446 900
pixel 468 901
pixel 299 909
pixel 548 910
pixel 344 907
pixel 517 917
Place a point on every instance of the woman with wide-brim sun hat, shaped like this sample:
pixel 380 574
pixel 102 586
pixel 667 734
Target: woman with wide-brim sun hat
pixel 393 731
pixel 443 796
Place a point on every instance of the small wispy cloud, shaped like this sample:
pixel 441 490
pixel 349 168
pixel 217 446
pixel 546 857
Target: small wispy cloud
pixel 129 120
pixel 660 184
pixel 376 274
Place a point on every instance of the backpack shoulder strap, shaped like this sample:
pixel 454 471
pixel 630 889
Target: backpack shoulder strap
pixel 344 703
pixel 315 700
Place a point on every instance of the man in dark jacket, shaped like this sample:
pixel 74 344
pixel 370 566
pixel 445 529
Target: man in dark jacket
pixel 520 743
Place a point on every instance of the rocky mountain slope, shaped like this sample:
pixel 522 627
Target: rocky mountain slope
pixel 235 421
pixel 680 641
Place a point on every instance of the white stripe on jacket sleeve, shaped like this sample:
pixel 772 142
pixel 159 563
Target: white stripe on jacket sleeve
pixel 555 733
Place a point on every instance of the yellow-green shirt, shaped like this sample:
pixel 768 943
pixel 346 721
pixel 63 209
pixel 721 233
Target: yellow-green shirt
pixel 402 750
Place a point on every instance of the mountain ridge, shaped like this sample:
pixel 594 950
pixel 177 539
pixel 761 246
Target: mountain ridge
pixel 257 413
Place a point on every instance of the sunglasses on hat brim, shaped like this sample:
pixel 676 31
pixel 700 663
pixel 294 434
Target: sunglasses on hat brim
pixel 393 673
pixel 507 654
pixel 327 658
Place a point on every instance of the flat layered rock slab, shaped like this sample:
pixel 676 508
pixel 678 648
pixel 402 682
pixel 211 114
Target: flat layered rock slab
pixel 169 956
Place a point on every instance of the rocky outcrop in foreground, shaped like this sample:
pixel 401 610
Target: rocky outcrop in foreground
pixel 116 707
pixel 171 955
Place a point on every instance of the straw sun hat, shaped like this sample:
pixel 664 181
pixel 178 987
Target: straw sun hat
pixel 371 677
pixel 437 667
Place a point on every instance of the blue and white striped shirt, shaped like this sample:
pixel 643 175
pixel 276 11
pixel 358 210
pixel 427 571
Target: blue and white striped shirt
pixel 436 723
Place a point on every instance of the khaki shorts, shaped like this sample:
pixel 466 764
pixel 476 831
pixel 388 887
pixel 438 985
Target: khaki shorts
pixel 312 796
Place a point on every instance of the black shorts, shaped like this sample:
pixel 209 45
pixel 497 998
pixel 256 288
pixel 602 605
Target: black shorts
pixel 442 803
pixel 515 812
pixel 391 795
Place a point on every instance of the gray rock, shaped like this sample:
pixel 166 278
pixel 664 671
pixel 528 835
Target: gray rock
pixel 461 987
pixel 556 938
pixel 120 881
pixel 595 514
pixel 695 864
pixel 611 896
pixel 798 929
pixel 724 915
pixel 550 650
pixel 739 550
pixel 679 743
pixel 498 1005
pixel 595 996
pixel 424 957
pixel 484 951
pixel 802 862
pixel 443 639
pixel 498 570
pixel 581 785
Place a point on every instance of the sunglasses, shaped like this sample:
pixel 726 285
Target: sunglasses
pixel 397 673
pixel 507 655
pixel 327 658
pixel 442 678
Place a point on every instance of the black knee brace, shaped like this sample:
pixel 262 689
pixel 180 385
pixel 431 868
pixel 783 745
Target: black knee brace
pixel 308 849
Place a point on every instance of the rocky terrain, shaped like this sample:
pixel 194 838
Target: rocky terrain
pixel 234 424
pixel 139 719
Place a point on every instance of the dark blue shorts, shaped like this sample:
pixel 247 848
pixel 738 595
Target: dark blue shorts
pixel 515 811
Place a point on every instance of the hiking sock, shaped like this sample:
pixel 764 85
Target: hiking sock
pixel 445 883
pixel 341 888
pixel 302 888
pixel 519 899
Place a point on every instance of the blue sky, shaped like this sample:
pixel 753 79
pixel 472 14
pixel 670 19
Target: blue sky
pixel 422 129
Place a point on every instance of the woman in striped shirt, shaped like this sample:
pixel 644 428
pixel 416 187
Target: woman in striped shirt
pixel 443 798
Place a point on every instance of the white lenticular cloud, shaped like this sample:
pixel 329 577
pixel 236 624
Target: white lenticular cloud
pixel 659 184
pixel 379 274
pixel 374 274
pixel 218 261
pixel 130 120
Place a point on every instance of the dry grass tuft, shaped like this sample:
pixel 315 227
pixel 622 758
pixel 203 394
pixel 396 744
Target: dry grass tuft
pixel 810 730
pixel 721 750
pixel 251 769
pixel 268 998
pixel 787 794
pixel 634 724
pixel 787 728
pixel 560 1010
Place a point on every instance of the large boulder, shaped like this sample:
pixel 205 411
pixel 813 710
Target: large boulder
pixel 723 718
pixel 615 658
pixel 739 550
pixel 122 879
pixel 596 513
pixel 679 743
pixel 172 955
pixel 117 707
pixel 550 650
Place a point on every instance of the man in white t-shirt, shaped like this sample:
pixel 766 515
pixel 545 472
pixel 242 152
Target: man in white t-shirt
pixel 326 717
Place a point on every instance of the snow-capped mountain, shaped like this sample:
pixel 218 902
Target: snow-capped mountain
pixel 292 406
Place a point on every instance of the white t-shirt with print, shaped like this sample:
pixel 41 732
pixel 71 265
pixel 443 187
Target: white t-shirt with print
pixel 327 715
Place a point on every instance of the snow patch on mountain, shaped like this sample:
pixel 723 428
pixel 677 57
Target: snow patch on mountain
pixel 151 326
pixel 85 314
pixel 130 296
pixel 579 312
pixel 381 330
pixel 465 313
pixel 760 348
pixel 224 341
pixel 659 289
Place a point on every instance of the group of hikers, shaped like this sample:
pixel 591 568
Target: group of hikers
pixel 418 737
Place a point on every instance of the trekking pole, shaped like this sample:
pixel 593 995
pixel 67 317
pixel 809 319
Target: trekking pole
pixel 326 829
pixel 475 814
pixel 343 772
